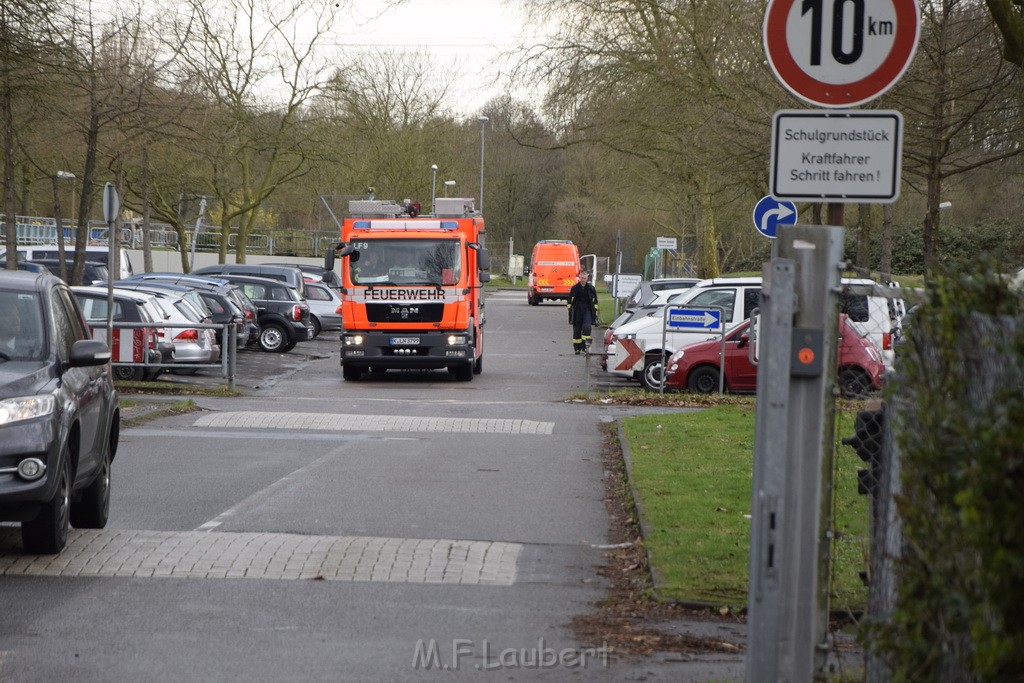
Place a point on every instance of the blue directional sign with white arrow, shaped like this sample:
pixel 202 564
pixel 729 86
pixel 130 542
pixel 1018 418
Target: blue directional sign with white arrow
pixel 770 213
pixel 694 319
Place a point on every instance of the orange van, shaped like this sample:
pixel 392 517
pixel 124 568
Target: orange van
pixel 554 269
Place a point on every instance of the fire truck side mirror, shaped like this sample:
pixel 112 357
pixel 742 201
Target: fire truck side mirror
pixel 483 259
pixel 485 277
pixel 340 250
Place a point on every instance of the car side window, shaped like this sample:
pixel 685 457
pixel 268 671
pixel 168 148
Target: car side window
pixel 68 321
pixel 254 291
pixel 317 294
pixel 212 302
pixel 751 300
pixel 722 298
pixel 279 294
pixel 855 306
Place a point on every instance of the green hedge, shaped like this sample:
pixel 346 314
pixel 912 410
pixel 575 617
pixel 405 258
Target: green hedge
pixel 959 422
pixel 957 248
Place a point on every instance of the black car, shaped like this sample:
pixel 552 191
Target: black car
pixel 328 277
pixel 283 313
pixel 59 413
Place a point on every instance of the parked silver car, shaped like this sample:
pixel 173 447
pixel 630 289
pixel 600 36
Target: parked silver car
pixel 324 307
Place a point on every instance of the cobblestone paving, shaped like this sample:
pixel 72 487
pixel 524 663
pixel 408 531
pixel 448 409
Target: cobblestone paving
pixel 372 423
pixel 198 554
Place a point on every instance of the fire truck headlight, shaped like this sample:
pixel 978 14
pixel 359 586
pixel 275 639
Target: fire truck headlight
pixel 456 340
pixel 354 340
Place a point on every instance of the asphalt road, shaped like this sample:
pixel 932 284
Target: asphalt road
pixel 404 527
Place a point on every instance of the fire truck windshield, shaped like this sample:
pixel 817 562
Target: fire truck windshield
pixel 406 261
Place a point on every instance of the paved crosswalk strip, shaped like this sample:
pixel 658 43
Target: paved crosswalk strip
pixel 372 423
pixel 199 554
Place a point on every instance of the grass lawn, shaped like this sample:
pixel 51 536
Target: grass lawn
pixel 693 474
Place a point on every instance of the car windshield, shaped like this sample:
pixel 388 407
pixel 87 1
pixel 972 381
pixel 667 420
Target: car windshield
pixel 22 336
pixel 406 262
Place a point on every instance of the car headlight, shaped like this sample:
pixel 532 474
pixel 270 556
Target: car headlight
pixel 456 340
pixel 25 408
pixel 354 340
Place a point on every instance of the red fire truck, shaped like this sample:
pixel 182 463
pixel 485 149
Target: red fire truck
pixel 412 288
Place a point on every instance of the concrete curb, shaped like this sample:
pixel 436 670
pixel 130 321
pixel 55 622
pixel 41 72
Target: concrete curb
pixel 645 526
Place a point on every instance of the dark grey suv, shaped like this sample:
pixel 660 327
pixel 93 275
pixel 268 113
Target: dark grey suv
pixel 59 413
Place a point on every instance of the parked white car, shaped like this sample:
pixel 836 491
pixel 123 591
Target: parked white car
pixel 636 348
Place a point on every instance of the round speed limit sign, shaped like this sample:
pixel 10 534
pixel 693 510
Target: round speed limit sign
pixel 840 53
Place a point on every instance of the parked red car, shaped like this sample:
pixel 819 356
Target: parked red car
pixel 696 367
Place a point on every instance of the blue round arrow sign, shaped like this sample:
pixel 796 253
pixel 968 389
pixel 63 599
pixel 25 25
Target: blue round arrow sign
pixel 770 213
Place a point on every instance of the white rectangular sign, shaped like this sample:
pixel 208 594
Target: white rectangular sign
pixel 667 243
pixel 846 156
pixel 625 284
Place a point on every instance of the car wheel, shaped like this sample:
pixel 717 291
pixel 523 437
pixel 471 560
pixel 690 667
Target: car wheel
pixel 47 534
pixel 651 378
pixel 463 373
pixel 317 327
pixel 92 510
pixel 478 366
pixel 703 380
pixel 854 382
pixel 350 373
pixel 273 338
pixel 128 373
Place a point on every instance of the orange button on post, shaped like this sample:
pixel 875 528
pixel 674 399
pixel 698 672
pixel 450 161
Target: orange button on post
pixel 805 356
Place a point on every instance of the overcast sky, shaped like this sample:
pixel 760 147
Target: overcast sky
pixel 470 34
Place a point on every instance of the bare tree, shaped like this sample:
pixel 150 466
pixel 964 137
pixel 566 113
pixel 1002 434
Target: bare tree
pixel 22 35
pixel 960 105
pixel 257 63
pixel 660 81
pixel 392 109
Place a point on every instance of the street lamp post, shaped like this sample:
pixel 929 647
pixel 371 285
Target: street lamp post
pixel 483 125
pixel 433 189
pixel 447 184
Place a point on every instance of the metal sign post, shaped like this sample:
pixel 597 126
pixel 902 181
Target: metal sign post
pixel 111 210
pixel 790 546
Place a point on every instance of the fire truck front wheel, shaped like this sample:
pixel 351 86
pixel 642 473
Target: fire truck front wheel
pixel 351 373
pixel 463 373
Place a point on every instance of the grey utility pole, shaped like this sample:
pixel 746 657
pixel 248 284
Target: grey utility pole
pixel 791 510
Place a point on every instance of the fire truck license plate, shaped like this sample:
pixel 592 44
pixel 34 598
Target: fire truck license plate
pixel 405 341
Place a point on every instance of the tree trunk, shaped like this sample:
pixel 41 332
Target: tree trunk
pixel 59 222
pixel 863 235
pixel 885 262
pixel 147 238
pixel 10 208
pixel 85 201
pixel 707 235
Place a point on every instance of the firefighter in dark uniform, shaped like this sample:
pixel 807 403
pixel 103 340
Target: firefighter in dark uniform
pixel 582 312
